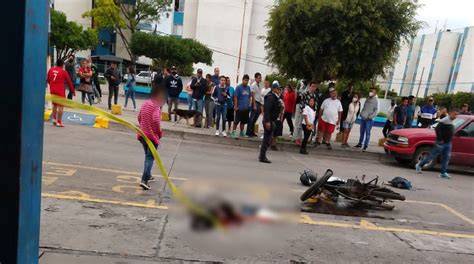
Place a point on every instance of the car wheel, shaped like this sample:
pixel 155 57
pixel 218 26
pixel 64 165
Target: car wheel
pixel 420 154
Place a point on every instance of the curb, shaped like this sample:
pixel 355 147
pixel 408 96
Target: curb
pixel 255 144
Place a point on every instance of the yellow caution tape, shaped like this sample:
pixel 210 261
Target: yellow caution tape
pixel 177 193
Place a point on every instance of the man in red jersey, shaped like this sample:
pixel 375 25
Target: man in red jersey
pixel 57 76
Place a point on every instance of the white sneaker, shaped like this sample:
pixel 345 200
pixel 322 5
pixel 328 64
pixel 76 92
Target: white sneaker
pixel 224 134
pixel 134 109
pixel 217 133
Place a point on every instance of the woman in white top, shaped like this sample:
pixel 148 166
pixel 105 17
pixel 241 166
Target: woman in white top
pixel 309 114
pixel 352 113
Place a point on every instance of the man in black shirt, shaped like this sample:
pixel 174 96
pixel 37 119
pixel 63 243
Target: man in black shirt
pixel 199 87
pixel 70 67
pixel 271 111
pixel 174 87
pixel 444 136
pixel 114 77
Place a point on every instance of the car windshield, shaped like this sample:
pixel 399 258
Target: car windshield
pixel 457 122
pixel 144 74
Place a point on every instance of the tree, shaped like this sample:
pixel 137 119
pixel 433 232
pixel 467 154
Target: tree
pixel 332 39
pixel 170 50
pixel 68 36
pixel 124 17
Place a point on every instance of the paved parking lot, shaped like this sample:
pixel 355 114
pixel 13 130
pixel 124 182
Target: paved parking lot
pixel 92 206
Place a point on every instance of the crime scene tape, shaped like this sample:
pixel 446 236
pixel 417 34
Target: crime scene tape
pixel 177 193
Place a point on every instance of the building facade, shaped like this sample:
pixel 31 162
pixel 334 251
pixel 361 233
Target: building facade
pixel 434 63
pixel 230 28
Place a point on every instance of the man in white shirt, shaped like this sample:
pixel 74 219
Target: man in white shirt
pixel 257 105
pixel 329 116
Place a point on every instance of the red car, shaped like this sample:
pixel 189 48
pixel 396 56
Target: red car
pixel 413 144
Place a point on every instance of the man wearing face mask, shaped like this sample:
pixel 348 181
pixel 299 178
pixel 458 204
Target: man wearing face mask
pixel 368 114
pixel 388 124
pixel 174 87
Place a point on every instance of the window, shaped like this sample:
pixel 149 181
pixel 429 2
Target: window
pixel 469 130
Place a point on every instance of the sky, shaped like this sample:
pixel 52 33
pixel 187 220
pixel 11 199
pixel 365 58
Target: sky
pixel 457 14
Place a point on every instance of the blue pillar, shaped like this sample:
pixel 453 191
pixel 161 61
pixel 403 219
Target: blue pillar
pixel 21 128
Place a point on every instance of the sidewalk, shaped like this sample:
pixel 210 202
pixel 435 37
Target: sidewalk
pixel 181 129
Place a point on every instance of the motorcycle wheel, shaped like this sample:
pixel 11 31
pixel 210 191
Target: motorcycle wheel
pixel 316 187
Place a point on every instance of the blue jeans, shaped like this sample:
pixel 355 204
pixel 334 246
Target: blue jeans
pixel 221 112
pixel 149 160
pixel 190 102
pixel 254 114
pixel 198 105
pixel 130 94
pixel 365 128
pixel 443 149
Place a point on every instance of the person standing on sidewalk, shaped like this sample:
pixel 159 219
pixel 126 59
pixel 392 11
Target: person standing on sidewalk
pixel 242 99
pixel 410 111
pixel 368 114
pixel 388 124
pixel 271 111
pixel 216 77
pixel 289 98
pixel 266 89
pixel 302 100
pixel 130 84
pixel 70 67
pixel 174 87
pixel 444 136
pixel 353 112
pixel 400 114
pixel 346 100
pixel 329 115
pixel 149 120
pixel 114 78
pixel 427 113
pixel 209 102
pixel 257 104
pixel 57 77
pixel 309 114
pixel 230 104
pixel 219 96
pixel 465 110
pixel 85 83
pixel 95 79
pixel 198 86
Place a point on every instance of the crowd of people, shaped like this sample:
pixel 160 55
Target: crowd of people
pixel 311 115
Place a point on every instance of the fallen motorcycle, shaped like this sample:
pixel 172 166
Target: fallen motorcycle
pixel 360 192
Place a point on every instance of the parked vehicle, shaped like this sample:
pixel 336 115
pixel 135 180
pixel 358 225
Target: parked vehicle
pixel 413 144
pixel 145 77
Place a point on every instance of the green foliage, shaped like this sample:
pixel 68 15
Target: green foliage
pixel 68 36
pixel 282 80
pixel 461 98
pixel 170 50
pixel 360 87
pixel 122 16
pixel 338 39
pixel 450 100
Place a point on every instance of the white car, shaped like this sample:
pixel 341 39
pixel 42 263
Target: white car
pixel 144 77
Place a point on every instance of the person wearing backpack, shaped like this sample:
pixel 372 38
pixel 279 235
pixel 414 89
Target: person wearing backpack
pixel 130 84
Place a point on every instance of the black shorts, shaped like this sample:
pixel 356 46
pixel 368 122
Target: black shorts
pixel 242 116
pixel 230 115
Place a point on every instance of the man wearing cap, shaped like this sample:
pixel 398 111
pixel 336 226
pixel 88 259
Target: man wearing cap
pixel 198 86
pixel 271 111
pixel 174 87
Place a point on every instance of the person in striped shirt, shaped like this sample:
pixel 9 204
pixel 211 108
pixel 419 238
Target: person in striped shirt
pixel 149 119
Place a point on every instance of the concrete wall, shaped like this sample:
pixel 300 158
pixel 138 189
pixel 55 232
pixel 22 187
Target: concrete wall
pixel 465 75
pixel 219 26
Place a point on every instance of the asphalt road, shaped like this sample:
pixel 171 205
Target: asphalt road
pixel 94 212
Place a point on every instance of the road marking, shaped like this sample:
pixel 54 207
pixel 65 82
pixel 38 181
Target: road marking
pixel 104 169
pixel 304 218
pixel 151 204
pixel 449 209
pixel 366 225
pixel 61 171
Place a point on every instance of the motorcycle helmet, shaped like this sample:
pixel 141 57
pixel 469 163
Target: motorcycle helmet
pixel 308 177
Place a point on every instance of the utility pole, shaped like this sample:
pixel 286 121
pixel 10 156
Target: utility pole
pixel 241 40
pixel 419 83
